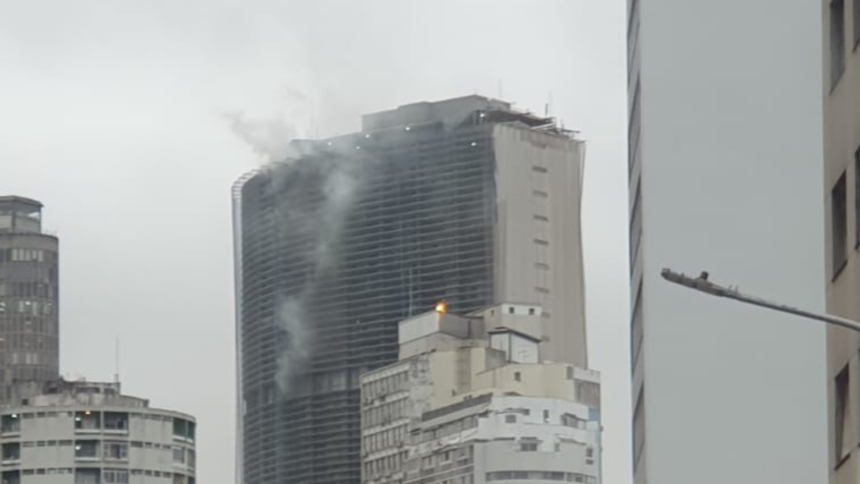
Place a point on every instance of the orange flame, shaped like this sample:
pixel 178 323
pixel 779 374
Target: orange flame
pixel 441 307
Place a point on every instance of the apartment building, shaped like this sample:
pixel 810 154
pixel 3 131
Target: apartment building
pixel 467 200
pixel 471 400
pixel 29 295
pixel 80 432
pixel 841 100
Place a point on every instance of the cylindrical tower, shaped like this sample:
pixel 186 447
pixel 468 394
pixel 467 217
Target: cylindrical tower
pixel 29 295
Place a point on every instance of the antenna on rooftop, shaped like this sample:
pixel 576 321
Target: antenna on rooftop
pixel 501 93
pixel 116 362
pixel 548 105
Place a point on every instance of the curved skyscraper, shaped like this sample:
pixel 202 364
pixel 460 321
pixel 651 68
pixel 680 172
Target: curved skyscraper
pixel 465 200
pixel 29 295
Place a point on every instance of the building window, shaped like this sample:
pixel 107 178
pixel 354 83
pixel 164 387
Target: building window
pixel 572 421
pixel 12 451
pixel 115 476
pixel 839 229
pixel 841 448
pixel 528 445
pixel 510 419
pixel 10 423
pixel 837 40
pixel 518 376
pixel 87 476
pixel 635 234
pixel 117 421
pixel 639 428
pixel 570 373
pixel 86 449
pixel 179 455
pixel 88 420
pixel 116 451
pixel 183 429
pixel 856 22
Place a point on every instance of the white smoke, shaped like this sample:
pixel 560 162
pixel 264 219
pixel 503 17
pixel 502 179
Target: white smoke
pixel 291 320
pixel 339 191
pixel 340 184
pixel 271 136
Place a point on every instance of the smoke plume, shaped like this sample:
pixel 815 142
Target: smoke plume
pixel 338 181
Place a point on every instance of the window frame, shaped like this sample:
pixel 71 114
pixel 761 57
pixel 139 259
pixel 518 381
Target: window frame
pixel 839 219
pixel 837 39
pixel 841 397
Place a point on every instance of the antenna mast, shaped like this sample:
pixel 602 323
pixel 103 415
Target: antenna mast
pixel 116 362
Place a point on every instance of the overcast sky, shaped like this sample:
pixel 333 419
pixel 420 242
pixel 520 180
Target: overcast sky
pixel 112 115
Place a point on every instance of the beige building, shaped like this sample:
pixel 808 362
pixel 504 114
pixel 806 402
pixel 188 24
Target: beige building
pixel 472 401
pixel 842 200
pixel 89 433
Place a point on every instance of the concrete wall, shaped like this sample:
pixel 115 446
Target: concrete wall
pixel 497 440
pixel 539 247
pixel 841 103
pixel 730 155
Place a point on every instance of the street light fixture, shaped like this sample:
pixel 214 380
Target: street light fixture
pixel 702 284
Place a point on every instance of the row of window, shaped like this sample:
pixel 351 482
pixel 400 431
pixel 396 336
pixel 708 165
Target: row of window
pixel 838 38
pixel 568 420
pixel 385 439
pixel 27 255
pixel 385 386
pixel 540 476
pixel 385 465
pixel 839 217
pixel 386 413
pixel 86 420
pixel 461 455
pixel 26 289
pixel 95 476
pixel 113 449
pixel 26 306
pixel 26 325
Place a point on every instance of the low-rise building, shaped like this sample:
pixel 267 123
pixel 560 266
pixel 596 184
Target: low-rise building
pixel 471 401
pixel 89 433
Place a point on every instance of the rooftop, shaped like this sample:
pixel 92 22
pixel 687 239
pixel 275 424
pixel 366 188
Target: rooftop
pixel 17 200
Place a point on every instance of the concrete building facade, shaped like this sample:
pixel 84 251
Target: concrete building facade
pixel 472 401
pixel 724 167
pixel 89 433
pixel 841 101
pixel 29 295
pixel 466 200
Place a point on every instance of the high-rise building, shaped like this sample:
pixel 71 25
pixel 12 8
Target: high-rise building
pixel 29 295
pixel 725 176
pixel 471 401
pixel 466 200
pixel 80 432
pixel 841 78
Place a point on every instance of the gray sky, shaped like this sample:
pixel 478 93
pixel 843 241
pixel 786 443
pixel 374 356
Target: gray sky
pixel 110 117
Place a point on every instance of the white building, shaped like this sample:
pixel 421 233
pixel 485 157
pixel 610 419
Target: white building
pixel 471 401
pixel 89 433
pixel 725 175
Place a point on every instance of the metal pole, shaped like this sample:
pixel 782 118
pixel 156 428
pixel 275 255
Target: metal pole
pixel 702 284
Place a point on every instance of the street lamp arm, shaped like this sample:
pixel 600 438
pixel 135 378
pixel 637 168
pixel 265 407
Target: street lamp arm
pixel 702 284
